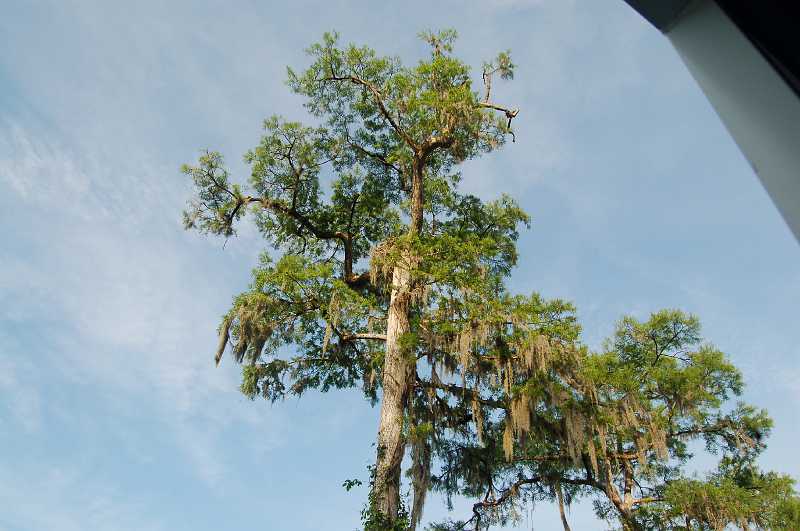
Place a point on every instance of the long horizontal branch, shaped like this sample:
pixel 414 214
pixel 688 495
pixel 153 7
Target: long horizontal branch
pixel 458 390
pixel 646 500
pixel 509 492
pixel 717 427
pixel 281 208
pixel 511 113
pixel 353 337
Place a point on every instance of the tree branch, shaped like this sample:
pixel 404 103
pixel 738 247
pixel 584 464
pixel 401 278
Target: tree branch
pixel 377 156
pixel 378 97
pixel 354 281
pixel 366 335
pixel 560 496
pixel 510 114
pixel 459 391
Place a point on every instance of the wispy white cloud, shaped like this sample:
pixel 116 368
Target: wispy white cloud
pixel 21 403
pixel 67 499
pixel 119 308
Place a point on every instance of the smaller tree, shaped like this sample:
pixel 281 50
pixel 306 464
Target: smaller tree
pixel 619 427
pixel 737 494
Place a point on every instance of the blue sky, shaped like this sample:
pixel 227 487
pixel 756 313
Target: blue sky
pixel 112 415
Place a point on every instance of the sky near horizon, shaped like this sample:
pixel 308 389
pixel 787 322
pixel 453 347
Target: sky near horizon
pixel 112 414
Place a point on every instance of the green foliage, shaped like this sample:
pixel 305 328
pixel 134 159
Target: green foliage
pixel 369 191
pixel 503 403
pixel 616 427
pixel 374 520
pixel 218 203
pixel 736 495
pixel 350 483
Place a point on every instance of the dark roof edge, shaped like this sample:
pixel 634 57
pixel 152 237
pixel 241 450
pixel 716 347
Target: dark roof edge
pixel 663 14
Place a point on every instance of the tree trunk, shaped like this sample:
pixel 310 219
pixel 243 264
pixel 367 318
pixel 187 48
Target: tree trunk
pixel 398 369
pixel 397 372
pixel 560 495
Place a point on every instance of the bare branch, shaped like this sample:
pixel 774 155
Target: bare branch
pixel 224 335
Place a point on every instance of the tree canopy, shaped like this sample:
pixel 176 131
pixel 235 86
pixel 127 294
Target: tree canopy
pixel 620 426
pixel 383 276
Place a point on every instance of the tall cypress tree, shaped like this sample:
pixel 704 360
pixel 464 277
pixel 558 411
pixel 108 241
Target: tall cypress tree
pixel 387 276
